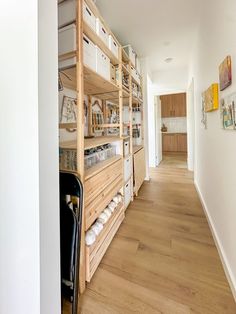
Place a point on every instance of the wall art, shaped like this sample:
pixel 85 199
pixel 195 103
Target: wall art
pixel 225 73
pixel 228 112
pixel 203 115
pixel 211 98
pixel 68 110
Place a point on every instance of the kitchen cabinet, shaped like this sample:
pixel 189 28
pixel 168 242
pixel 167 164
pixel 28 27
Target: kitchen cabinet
pixel 174 142
pixel 173 105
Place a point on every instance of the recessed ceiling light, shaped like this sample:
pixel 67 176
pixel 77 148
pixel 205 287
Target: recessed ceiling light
pixel 168 60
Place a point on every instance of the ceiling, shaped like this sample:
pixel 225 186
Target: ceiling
pixel 157 29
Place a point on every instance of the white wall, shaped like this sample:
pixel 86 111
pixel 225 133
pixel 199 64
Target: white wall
pixel 29 229
pixel 48 162
pixel 215 170
pixel 170 81
pixel 19 159
pixel 190 125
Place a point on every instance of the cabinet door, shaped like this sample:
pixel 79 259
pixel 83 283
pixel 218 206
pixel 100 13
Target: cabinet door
pixel 169 143
pixel 179 105
pixel 182 142
pixel 166 106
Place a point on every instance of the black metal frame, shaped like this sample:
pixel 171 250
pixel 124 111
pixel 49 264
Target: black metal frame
pixel 70 184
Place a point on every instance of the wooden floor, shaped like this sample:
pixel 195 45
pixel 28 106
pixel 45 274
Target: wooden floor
pixel 163 259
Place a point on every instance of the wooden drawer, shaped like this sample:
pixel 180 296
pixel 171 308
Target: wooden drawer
pixel 95 253
pixel 139 169
pixel 94 185
pixel 94 208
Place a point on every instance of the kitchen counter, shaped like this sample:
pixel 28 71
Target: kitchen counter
pixel 174 132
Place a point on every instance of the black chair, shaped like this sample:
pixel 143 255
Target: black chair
pixel 71 208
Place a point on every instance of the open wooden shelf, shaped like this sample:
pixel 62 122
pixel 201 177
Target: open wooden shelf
pixel 136 148
pixel 134 81
pixel 125 70
pixel 94 84
pixel 88 31
pixel 67 125
pixel 125 57
pixel 91 142
pixel 101 166
pixel 111 125
pixel 136 101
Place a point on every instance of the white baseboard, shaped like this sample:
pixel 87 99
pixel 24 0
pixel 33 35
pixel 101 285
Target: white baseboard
pixel 224 260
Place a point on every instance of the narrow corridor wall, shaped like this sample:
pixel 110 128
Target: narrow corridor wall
pixel 215 149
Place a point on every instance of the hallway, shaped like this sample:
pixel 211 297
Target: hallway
pixel 163 259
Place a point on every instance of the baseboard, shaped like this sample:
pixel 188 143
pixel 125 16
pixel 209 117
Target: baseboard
pixel 224 260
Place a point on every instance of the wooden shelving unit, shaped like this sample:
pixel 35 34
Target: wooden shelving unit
pixel 105 179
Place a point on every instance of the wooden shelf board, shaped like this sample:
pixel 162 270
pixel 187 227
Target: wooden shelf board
pixel 136 101
pixel 91 142
pixel 134 81
pixel 94 84
pixel 125 57
pixel 88 31
pixel 100 140
pixel 125 91
pixel 67 125
pixel 111 125
pixel 101 166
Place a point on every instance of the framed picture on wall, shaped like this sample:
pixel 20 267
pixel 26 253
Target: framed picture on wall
pixel 228 112
pixel 225 73
pixel 211 98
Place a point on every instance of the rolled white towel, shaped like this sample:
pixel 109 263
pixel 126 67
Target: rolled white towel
pixel 119 197
pixel 112 205
pixel 116 199
pixel 108 212
pixel 90 237
pixel 103 218
pixel 97 227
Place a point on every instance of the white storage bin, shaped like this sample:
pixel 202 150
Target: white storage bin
pixel 67 39
pixel 137 117
pixel 126 148
pixel 89 17
pixel 102 32
pixel 131 53
pixel 127 193
pixel 138 66
pixel 89 53
pixel 66 12
pixel 67 63
pixel 103 64
pixel 127 168
pixel 135 74
pixel 113 46
pixel 126 114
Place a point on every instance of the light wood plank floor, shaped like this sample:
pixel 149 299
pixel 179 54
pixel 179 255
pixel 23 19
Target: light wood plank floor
pixel 163 259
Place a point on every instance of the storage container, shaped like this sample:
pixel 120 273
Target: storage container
pixel 67 63
pixel 126 148
pixel 138 66
pixel 137 117
pixel 135 75
pixel 127 193
pixel 126 114
pixel 113 73
pixel 127 168
pixel 102 64
pixel 89 17
pixel 89 53
pixel 113 46
pixel 102 32
pixel 68 159
pixel 66 12
pixel 131 53
pixel 67 39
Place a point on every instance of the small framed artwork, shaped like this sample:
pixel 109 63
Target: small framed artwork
pixel 225 73
pixel 68 110
pixel 211 98
pixel 228 112
pixel 203 115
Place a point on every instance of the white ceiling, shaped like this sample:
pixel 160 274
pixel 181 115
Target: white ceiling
pixel 157 29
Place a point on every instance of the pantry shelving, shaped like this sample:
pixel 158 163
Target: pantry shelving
pixel 96 107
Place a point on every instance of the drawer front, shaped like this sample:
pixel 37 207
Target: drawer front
pixel 95 184
pixel 94 208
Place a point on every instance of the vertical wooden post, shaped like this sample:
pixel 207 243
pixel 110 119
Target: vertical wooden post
pixel 80 130
pixel 131 124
